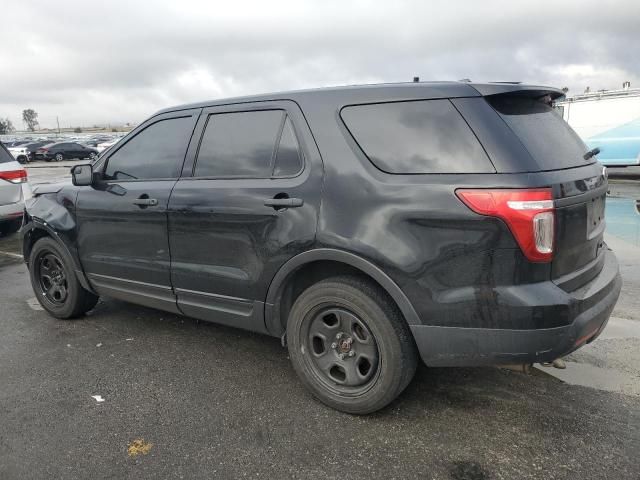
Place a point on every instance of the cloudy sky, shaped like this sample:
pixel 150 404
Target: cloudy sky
pixel 119 61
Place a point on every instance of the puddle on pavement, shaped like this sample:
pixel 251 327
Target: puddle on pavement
pixel 587 375
pixel 599 376
pixel 620 328
pixel 623 219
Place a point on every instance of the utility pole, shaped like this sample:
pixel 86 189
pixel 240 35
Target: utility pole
pixel 58 122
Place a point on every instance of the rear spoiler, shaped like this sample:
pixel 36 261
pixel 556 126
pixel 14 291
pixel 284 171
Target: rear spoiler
pixel 517 89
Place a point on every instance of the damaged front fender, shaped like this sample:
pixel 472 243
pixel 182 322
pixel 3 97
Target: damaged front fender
pixel 46 210
pixel 53 215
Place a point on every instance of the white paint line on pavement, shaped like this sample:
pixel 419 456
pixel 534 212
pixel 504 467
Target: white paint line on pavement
pixel 9 254
pixel 97 398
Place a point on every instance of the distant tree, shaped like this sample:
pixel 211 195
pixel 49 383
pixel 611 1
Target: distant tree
pixel 30 118
pixel 6 126
pixel 114 129
pixel 77 130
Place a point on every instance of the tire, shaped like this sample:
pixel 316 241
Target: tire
pixel 344 314
pixel 93 155
pixel 22 159
pixel 48 259
pixel 59 157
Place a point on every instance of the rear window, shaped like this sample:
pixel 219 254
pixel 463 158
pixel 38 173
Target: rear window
pixel 548 138
pixel 426 136
pixel 5 156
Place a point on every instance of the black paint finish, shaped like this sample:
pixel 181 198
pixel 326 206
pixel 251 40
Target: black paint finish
pixel 212 249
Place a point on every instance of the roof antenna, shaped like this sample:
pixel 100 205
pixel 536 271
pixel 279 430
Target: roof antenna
pixel 416 79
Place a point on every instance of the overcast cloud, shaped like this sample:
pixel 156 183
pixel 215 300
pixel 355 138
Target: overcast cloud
pixel 119 61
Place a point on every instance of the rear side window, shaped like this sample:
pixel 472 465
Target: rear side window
pixel 257 144
pixel 156 152
pixel 426 136
pixel 5 156
pixel 547 137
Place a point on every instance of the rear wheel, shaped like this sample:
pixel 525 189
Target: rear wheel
pixel 59 157
pixel 93 155
pixel 55 283
pixel 350 345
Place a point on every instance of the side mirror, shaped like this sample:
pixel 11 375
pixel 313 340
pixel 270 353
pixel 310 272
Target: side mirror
pixel 82 175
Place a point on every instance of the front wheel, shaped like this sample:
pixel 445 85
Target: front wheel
pixel 55 283
pixel 350 345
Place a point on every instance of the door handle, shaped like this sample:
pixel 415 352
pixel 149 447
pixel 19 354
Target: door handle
pixel 279 203
pixel 145 202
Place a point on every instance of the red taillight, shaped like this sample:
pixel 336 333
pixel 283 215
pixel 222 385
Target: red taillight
pixel 14 176
pixel 529 214
pixel 42 150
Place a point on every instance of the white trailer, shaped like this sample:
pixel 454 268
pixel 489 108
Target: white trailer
pixel 608 119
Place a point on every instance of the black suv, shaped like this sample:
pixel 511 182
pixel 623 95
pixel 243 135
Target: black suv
pixel 366 226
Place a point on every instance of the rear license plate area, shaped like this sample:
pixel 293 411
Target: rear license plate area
pixel 595 215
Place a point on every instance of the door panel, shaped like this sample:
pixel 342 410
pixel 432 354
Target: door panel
pixel 122 220
pixel 226 244
pixel 121 242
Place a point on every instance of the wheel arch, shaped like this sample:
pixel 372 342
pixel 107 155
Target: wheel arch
pixel 34 231
pixel 337 262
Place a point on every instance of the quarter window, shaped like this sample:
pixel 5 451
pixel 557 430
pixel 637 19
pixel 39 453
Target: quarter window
pixel 427 136
pixel 156 152
pixel 5 156
pixel 288 160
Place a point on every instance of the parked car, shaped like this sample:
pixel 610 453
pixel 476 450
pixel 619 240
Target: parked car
pixel 367 227
pixel 17 143
pixel 20 153
pixel 94 142
pixel 101 147
pixel 14 189
pixel 65 150
pixel 32 148
pixel 26 153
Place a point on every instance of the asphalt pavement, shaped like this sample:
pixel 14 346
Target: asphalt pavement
pixel 131 392
pixel 205 401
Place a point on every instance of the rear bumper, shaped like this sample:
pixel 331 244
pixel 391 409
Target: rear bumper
pixel 11 211
pixel 592 304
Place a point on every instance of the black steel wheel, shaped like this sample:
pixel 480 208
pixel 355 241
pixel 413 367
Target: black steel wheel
pixel 51 277
pixel 343 351
pixel 54 281
pixel 350 345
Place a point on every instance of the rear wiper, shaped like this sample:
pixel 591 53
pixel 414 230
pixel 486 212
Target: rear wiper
pixel 591 153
